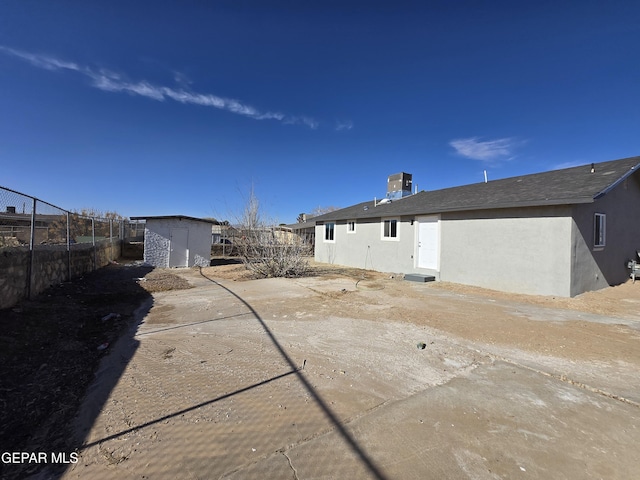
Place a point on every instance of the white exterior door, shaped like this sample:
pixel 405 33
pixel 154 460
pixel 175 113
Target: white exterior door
pixel 428 250
pixel 179 247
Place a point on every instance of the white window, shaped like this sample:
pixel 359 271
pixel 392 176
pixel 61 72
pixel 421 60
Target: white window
pixel 600 230
pixel 351 226
pixel 390 229
pixel 329 232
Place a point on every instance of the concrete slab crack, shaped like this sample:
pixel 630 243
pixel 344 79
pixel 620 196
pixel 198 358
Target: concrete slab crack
pixel 564 378
pixel 295 472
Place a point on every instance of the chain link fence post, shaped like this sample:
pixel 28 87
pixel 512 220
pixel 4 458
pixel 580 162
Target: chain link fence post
pixel 68 216
pixel 93 241
pixel 111 239
pixel 32 237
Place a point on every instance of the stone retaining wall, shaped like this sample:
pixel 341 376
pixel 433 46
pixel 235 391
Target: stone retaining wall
pixel 52 264
pixel 14 273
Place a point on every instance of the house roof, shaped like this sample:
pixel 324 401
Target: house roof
pixel 176 217
pixel 302 225
pixel 557 187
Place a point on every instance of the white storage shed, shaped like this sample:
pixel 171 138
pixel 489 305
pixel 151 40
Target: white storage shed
pixel 177 241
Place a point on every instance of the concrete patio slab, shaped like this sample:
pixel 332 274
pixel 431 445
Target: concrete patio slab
pixel 314 378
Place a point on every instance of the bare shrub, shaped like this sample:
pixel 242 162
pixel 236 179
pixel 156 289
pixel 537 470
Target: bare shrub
pixel 8 241
pixel 266 249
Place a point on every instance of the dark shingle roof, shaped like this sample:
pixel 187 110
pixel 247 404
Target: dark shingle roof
pixel 302 225
pixel 557 187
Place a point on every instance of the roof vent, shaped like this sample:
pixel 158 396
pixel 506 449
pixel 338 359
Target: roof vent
pixel 593 168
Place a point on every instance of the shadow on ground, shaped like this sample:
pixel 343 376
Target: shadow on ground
pixel 50 348
pixel 225 261
pixel 353 444
pixel 214 445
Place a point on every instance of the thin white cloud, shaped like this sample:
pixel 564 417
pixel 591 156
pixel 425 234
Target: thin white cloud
pixel 181 79
pixel 40 61
pixel 486 151
pixel 302 120
pixel 344 125
pixel 114 82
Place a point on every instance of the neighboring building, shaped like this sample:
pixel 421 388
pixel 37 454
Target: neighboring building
pixel 15 228
pixel 221 231
pixel 560 233
pixel 305 230
pixel 216 233
pixel 177 241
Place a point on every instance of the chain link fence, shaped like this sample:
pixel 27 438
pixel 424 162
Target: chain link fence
pixel 42 244
pixel 230 241
pixel 15 219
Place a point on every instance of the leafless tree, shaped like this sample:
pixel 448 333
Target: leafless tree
pixel 322 210
pixel 80 224
pixel 266 249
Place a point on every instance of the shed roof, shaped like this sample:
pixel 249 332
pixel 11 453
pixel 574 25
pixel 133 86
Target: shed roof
pixel 557 187
pixel 176 217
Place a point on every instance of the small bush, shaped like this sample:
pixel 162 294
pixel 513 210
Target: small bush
pixel 268 254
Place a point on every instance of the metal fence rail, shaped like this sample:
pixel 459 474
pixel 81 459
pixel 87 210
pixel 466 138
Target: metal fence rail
pixel 43 244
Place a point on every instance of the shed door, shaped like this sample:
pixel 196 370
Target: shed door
pixel 178 247
pixel 428 242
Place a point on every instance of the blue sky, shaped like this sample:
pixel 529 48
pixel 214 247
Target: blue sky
pixel 159 108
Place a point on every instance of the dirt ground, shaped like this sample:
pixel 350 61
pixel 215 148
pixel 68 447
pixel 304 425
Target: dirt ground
pixel 51 346
pixel 354 335
pixel 484 320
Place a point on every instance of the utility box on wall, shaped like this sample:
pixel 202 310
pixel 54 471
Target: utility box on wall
pixel 177 241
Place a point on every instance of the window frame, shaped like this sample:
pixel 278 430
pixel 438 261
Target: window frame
pixel 327 230
pixel 599 230
pixel 391 221
pixel 351 223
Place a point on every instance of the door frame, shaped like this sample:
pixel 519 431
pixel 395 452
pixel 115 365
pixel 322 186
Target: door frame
pixel 428 219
